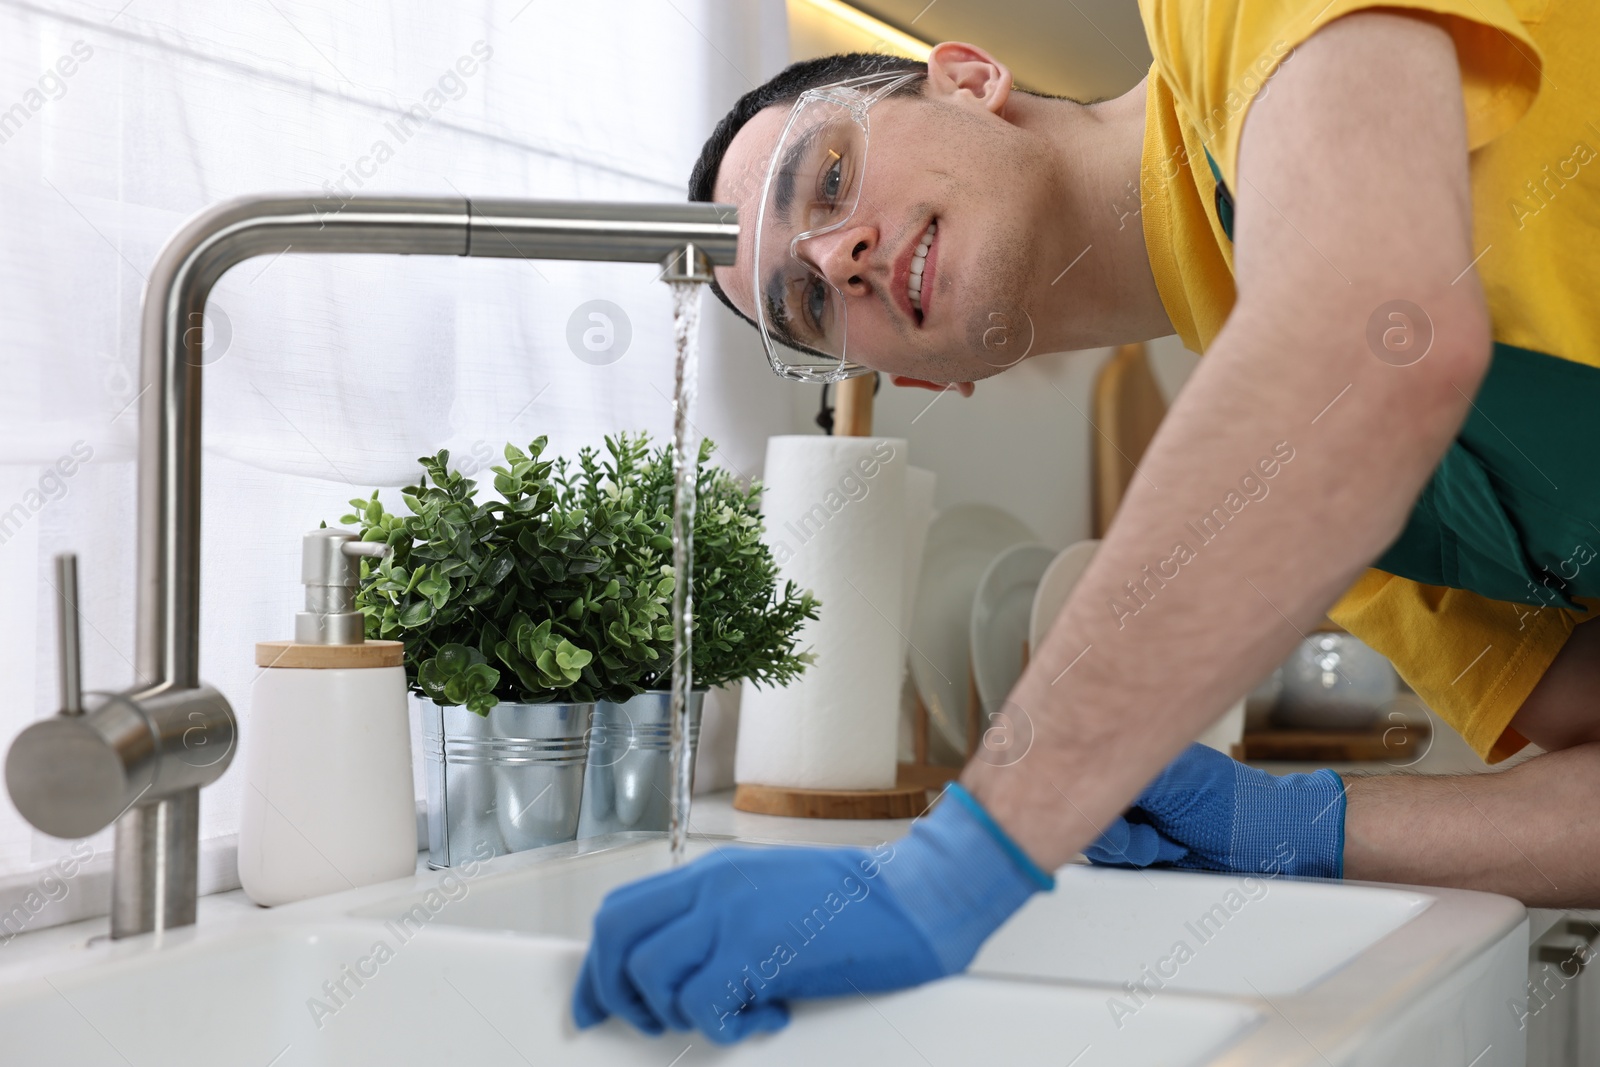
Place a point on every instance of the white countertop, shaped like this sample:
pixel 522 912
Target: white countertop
pixel 712 813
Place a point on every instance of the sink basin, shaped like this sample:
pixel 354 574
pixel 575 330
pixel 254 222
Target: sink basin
pixel 1327 972
pixel 447 968
pixel 1101 925
pixel 454 995
pixel 1205 933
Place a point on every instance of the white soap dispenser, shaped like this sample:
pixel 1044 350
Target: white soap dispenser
pixel 328 794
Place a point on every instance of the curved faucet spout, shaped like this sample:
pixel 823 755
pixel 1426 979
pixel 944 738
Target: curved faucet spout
pixel 227 234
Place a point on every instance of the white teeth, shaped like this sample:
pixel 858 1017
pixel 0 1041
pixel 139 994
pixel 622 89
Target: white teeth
pixel 919 261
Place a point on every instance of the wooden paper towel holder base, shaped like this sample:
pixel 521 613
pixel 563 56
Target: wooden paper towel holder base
pixel 906 800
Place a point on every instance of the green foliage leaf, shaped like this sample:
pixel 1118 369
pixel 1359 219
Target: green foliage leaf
pixel 416 614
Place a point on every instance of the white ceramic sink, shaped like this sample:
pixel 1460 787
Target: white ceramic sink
pixel 1200 932
pixel 1101 925
pixel 450 997
pixel 480 971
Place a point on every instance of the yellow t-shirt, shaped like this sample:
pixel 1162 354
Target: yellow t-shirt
pixel 1532 96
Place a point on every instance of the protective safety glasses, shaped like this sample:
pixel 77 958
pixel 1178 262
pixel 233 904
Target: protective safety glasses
pixel 812 187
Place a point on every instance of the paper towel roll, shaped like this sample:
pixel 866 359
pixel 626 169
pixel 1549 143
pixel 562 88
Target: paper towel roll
pixel 835 510
pixel 920 486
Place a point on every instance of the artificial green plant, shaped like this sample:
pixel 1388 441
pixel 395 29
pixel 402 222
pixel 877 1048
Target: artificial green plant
pixel 557 593
pixel 562 590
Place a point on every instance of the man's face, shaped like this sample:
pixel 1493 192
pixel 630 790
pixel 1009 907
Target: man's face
pixel 988 186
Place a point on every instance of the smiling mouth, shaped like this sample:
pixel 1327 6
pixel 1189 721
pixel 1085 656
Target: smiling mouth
pixel 919 263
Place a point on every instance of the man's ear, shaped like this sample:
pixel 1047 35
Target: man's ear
pixel 967 73
pixel 964 388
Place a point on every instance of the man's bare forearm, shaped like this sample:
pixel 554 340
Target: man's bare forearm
pixel 1150 649
pixel 1531 832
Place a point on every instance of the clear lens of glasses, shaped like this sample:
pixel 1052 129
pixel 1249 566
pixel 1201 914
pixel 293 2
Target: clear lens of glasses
pixel 812 188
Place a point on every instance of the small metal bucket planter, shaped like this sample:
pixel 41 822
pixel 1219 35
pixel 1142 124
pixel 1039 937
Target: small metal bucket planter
pixel 629 782
pixel 512 779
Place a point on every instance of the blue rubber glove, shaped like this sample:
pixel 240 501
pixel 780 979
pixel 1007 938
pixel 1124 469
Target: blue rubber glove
pixel 723 944
pixel 1209 812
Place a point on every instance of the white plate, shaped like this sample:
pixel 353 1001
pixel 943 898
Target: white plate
pixel 1051 596
pixel 962 542
pixel 1000 614
pixel 1056 586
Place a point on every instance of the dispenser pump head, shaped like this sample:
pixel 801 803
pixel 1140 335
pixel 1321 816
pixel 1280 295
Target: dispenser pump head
pixel 330 568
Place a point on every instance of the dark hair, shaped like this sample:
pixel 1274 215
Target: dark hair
pixel 785 88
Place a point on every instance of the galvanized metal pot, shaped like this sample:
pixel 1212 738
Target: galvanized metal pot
pixel 511 780
pixel 629 782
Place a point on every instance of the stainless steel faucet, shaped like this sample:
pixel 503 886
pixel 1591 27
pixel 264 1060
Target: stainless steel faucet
pixel 141 756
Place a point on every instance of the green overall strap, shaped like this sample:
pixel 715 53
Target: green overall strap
pixel 1222 199
pixel 1512 512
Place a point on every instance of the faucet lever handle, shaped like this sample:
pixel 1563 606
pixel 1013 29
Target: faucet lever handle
pixel 67 633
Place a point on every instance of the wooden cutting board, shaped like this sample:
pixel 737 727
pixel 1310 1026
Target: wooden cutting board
pixel 1396 743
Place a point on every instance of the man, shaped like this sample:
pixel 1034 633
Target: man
pixel 1389 261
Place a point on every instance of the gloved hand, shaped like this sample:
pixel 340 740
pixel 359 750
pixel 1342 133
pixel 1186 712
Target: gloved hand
pixel 1209 812
pixel 724 943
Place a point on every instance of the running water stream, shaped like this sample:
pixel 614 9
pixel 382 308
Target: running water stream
pixel 685 454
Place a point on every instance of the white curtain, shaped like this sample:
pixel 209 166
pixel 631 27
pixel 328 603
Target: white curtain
pixel 327 376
